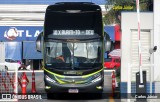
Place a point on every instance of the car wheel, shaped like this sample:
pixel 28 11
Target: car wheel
pixel 6 68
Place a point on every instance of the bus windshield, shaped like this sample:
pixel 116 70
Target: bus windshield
pixel 68 55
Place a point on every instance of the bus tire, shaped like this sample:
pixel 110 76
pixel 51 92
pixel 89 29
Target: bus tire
pixel 98 95
pixel 50 95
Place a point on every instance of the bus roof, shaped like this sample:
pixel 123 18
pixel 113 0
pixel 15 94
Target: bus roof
pixel 83 6
pixel 73 20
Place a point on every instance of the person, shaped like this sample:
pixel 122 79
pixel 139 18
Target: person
pixel 54 52
pixel 60 58
pixel 19 62
pixel 22 67
pixel 65 54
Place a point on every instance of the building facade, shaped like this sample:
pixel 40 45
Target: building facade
pixel 20 23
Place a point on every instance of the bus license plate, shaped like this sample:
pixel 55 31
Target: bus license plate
pixel 73 91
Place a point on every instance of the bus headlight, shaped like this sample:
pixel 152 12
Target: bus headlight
pixel 49 79
pixel 97 79
pixel 96 75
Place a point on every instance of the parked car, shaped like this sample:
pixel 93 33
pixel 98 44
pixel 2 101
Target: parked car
pixel 9 65
pixel 112 63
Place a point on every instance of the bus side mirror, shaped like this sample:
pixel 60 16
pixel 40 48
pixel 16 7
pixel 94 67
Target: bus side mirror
pixel 38 42
pixel 107 42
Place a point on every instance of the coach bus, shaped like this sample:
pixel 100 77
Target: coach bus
pixel 73 46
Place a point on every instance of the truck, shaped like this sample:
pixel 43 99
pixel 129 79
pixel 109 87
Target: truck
pixel 73 45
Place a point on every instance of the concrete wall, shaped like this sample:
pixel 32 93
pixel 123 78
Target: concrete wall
pixel 157 39
pixel 2 56
pixel 129 22
pixel 2 52
pixel 25 15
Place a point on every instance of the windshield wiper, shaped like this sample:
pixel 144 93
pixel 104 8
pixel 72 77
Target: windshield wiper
pixel 80 67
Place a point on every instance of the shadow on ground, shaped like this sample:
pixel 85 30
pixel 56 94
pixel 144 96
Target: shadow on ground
pixel 83 96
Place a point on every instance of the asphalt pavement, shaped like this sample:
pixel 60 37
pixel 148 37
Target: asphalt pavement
pixel 42 97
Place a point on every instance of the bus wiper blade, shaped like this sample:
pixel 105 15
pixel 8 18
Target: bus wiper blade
pixel 82 67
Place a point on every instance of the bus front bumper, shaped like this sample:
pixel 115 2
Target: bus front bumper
pixel 96 87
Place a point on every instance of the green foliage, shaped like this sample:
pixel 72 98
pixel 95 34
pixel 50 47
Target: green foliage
pixel 113 15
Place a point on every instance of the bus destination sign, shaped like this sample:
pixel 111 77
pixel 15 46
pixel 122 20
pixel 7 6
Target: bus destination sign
pixel 73 32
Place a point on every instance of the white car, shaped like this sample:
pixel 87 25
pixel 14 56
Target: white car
pixel 9 66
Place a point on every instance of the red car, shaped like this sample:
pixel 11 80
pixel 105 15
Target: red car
pixel 112 63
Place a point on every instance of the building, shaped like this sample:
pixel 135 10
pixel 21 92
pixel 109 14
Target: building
pixel 157 43
pixel 20 23
pixel 150 37
pixel 129 48
pixel 129 45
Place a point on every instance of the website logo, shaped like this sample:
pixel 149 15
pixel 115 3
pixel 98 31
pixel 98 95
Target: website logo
pixel 6 96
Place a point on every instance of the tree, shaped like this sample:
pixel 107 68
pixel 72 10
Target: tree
pixel 116 6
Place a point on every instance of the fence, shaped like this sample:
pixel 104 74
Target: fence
pixel 8 82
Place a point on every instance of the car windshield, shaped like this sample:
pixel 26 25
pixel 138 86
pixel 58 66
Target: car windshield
pixel 108 60
pixel 68 55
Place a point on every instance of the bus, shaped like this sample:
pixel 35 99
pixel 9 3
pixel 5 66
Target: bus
pixel 73 46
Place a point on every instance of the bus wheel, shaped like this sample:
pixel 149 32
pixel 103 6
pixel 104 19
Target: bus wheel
pixel 50 95
pixel 94 96
pixel 98 95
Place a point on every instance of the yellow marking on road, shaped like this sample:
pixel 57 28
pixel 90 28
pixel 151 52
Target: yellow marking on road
pixel 111 99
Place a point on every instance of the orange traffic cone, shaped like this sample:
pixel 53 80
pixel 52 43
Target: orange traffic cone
pixel 33 83
pixel 24 83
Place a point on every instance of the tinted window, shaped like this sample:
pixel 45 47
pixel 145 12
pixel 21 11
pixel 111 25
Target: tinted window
pixel 73 21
